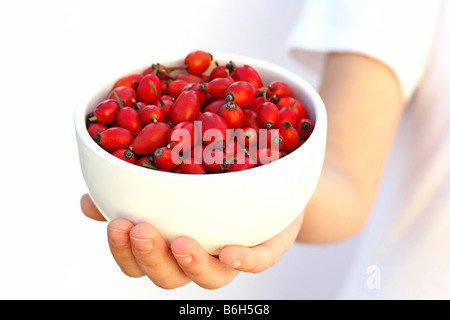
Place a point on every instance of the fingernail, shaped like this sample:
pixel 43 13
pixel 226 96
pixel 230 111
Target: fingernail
pixel 143 245
pixel 183 259
pixel 235 264
pixel 118 237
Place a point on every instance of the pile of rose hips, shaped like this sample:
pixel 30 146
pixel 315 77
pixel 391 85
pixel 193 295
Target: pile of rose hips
pixel 178 119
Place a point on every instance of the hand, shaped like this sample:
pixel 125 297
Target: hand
pixel 141 250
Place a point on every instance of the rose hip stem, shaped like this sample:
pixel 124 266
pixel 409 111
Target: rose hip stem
pixel 262 91
pixel 156 92
pixel 120 102
pixel 184 67
pixel 161 74
pixel 149 166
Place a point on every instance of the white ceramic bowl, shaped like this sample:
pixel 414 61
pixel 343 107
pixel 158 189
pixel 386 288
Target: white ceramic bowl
pixel 240 208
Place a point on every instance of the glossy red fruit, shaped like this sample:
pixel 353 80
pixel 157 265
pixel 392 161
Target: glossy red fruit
pixel 208 100
pixel 287 115
pixel 250 136
pixel 267 155
pixel 286 102
pixel 221 71
pixel 215 105
pixel 157 69
pixel 213 128
pixel 249 74
pixel 185 108
pixel 166 106
pixel 129 118
pixel 151 137
pixel 241 92
pixel 125 94
pixel 151 113
pixel 131 81
pixel 250 119
pixel 270 139
pixel 256 103
pixel 106 112
pixel 305 127
pixel 300 110
pixel 145 91
pixel 175 87
pixel 190 78
pixel 166 158
pixel 214 161
pixel 233 148
pixel 197 152
pixel 218 87
pixel 290 137
pixel 147 161
pixel 232 114
pixel 114 138
pixel 242 164
pixel 198 89
pixel 197 62
pixel 139 106
pixel 192 167
pixel 95 128
pixel 268 115
pixel 294 104
pixel 183 137
pixel 278 89
pixel 177 170
pixel 125 155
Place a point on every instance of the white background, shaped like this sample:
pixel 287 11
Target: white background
pixel 50 52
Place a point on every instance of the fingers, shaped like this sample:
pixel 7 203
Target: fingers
pixel 120 246
pixel 155 258
pixel 263 256
pixel 202 268
pixel 140 250
pixel 89 209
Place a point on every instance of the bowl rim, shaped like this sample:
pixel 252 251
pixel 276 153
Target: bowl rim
pixel 83 135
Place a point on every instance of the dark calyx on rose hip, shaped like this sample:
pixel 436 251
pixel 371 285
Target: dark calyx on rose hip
pixel 184 119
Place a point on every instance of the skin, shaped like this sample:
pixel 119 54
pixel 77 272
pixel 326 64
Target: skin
pixel 362 96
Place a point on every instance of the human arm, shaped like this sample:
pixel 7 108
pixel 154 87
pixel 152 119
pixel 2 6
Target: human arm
pixel 364 104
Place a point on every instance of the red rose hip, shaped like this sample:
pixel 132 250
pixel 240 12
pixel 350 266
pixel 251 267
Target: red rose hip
pixel 114 138
pixel 197 62
pixel 145 91
pixel 241 92
pixel 185 108
pixel 290 137
pixel 268 115
pixel 166 158
pixel 305 127
pixel 213 128
pixel 129 118
pixel 106 112
pixel 151 137
pixel 232 114
pixel 192 167
pixel 125 94
pixel 96 128
pixel 125 155
pixel 249 74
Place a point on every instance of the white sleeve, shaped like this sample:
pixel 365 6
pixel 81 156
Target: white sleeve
pixel 398 33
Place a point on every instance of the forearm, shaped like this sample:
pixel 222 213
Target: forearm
pixel 364 105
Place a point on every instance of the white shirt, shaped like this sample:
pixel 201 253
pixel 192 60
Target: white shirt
pixel 405 247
